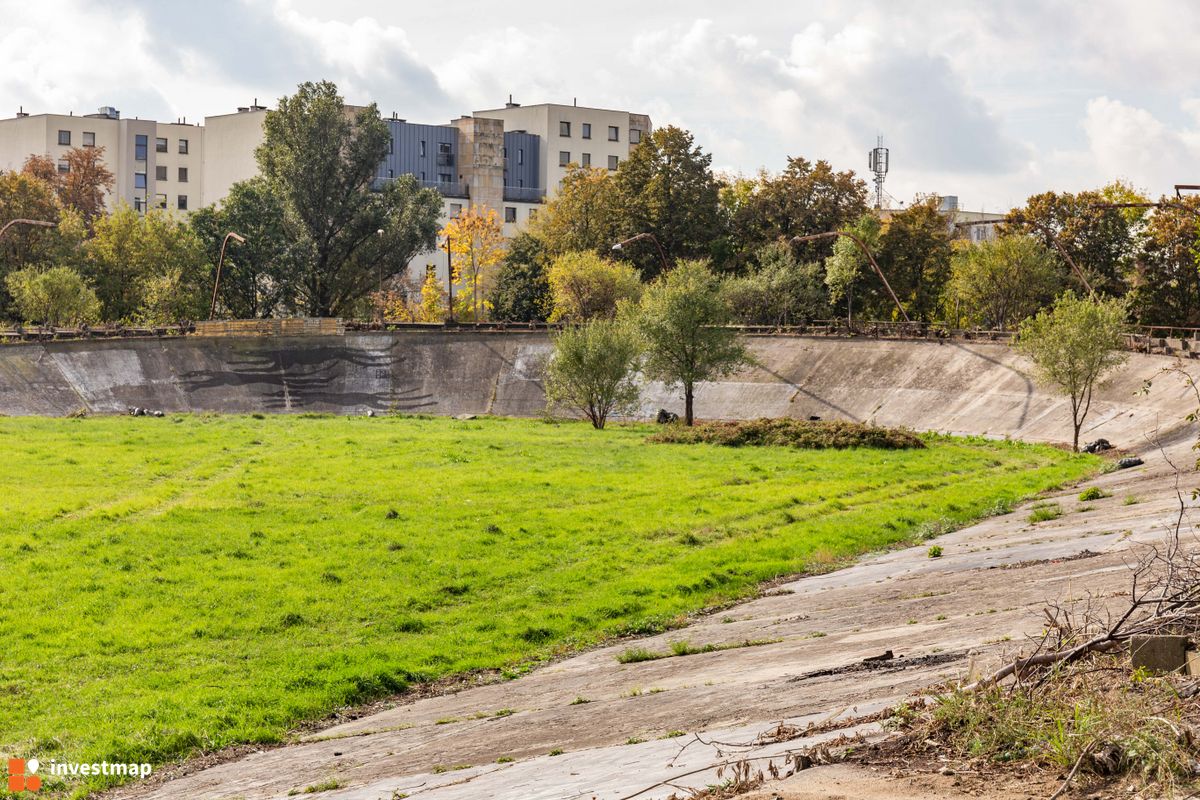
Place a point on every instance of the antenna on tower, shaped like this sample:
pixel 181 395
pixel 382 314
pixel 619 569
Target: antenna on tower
pixel 877 162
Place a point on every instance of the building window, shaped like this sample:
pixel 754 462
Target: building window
pixel 160 201
pixel 455 209
pixel 520 155
pixel 64 137
pixel 444 148
pixel 139 147
pixel 391 146
pixel 391 173
pixel 635 136
pixel 510 214
pixel 139 204
pixel 614 133
pixel 612 162
pixel 445 177
pixel 183 175
pixel 564 158
pixel 587 130
pixel 422 176
pixel 533 213
pixel 181 202
pixel 64 165
pixel 89 138
pixel 564 128
pixel 139 180
pixel 160 172
pixel 586 159
pixel 183 147
pixel 421 149
pixel 160 144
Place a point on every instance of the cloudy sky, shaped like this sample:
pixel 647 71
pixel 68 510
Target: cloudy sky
pixel 989 101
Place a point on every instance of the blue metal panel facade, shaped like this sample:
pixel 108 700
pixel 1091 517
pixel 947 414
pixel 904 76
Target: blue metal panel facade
pixel 521 166
pixel 428 152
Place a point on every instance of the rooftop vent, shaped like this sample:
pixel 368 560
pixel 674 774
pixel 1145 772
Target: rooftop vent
pixel 21 112
pixel 253 107
pixel 511 104
pixel 108 112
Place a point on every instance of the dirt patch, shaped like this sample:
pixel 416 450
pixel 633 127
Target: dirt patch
pixel 885 662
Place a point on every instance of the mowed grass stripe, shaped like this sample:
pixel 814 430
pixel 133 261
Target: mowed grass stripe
pixel 220 579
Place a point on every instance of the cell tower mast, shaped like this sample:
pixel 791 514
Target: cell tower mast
pixel 877 162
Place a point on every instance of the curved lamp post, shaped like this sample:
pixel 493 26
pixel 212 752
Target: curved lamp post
pixel 40 223
pixel 1161 204
pixel 619 246
pixel 212 311
pixel 861 246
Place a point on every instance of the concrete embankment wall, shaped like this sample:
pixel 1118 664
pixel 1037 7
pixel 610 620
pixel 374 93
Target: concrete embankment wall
pixel 960 387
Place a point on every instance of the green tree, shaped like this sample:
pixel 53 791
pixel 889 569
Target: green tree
pixel 845 267
pixel 584 285
pixel 55 297
pixel 24 196
pixel 1000 282
pixel 1101 241
pixel 666 187
pixel 585 214
pixel 522 292
pixel 1165 281
pixel 684 321
pixel 257 275
pixel 593 370
pixel 914 254
pixel 1073 346
pixel 805 198
pixel 321 158
pixel 146 267
pixel 780 291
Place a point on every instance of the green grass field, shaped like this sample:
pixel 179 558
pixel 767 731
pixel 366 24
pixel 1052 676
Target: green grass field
pixel 192 582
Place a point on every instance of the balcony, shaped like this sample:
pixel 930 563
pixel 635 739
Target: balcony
pixel 451 189
pixel 524 194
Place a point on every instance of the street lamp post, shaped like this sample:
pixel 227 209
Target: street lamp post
pixel 619 246
pixel 212 311
pixel 35 222
pixel 861 246
pixel 449 280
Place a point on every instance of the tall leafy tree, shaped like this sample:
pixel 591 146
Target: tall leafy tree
pixel 321 157
pixel 585 214
pixel 667 188
pixel 583 285
pixel 522 292
pixel 146 267
pixel 1000 282
pixel 477 242
pixel 779 291
pixel 684 320
pixel 1102 242
pixel 84 183
pixel 25 196
pixel 914 254
pixel 257 274
pixel 1165 281
pixel 848 264
pixel 804 198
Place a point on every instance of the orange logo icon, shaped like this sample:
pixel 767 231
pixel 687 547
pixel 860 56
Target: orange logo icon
pixel 22 775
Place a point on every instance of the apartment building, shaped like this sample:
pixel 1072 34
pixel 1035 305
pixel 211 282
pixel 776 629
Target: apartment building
pixel 154 164
pixel 510 159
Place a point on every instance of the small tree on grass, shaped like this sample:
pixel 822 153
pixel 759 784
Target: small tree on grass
pixel 683 318
pixel 1072 346
pixel 594 369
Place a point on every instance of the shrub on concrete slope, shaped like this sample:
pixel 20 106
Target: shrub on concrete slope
pixel 809 435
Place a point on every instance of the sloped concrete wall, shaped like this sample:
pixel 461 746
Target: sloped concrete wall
pixel 948 386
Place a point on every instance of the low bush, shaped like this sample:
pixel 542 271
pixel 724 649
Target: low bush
pixel 805 434
pixel 1092 493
